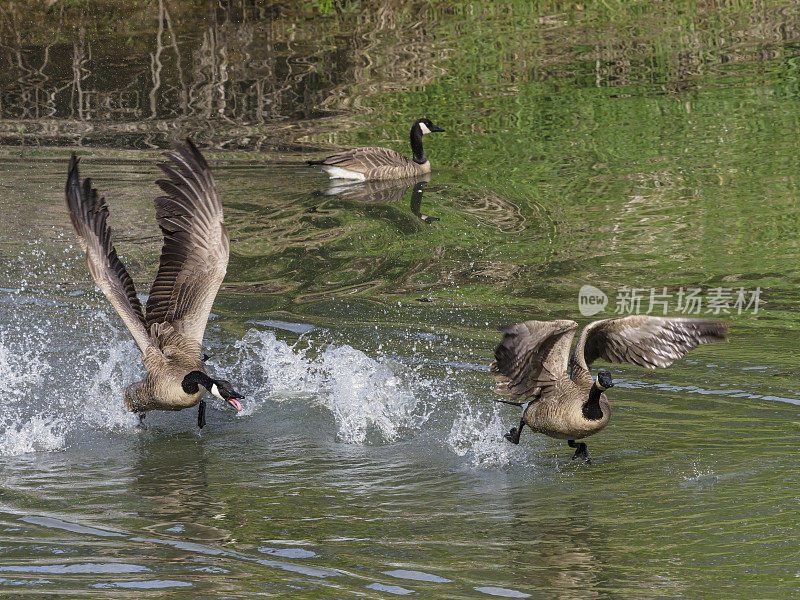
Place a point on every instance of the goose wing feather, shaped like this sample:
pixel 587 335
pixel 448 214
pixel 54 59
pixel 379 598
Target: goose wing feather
pixel 644 340
pixel 532 357
pixel 194 257
pixel 88 212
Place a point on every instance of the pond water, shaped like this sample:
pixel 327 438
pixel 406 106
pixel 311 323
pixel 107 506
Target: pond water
pixel 627 146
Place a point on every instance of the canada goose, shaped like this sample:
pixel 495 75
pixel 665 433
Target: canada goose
pixel 532 362
pixel 193 262
pixel 381 163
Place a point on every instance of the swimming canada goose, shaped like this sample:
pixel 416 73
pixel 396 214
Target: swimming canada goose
pixel 532 362
pixel 193 262
pixel 381 163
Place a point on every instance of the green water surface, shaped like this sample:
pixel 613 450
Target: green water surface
pixel 623 145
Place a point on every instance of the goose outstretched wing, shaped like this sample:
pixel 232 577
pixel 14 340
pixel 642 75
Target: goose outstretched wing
pixel 644 340
pixel 194 257
pixel 89 213
pixel 532 357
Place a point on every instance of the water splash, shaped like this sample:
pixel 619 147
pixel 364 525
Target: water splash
pixel 113 366
pixel 478 435
pixel 363 394
pixel 52 383
pixel 20 368
pixel 65 360
pixel 37 434
pixel 60 374
pixel 22 372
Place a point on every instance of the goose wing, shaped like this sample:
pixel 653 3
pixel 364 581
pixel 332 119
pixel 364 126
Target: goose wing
pixel 88 212
pixel 532 357
pixel 194 257
pixel 644 340
pixel 364 159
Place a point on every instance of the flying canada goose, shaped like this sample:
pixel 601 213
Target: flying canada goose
pixel 532 362
pixel 193 262
pixel 381 163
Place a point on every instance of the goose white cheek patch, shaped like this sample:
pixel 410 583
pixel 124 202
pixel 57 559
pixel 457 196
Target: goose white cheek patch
pixel 233 401
pixel 424 128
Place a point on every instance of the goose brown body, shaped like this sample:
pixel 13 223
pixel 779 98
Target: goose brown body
pixel 560 413
pixel 167 366
pixel 372 163
pixel 566 402
pixel 193 262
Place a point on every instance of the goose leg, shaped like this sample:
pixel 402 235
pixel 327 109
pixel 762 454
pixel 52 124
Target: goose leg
pixel 513 435
pixel 581 451
pixel 141 424
pixel 201 414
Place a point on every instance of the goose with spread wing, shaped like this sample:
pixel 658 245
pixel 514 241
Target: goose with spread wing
pixel 381 163
pixel 193 262
pixel 565 401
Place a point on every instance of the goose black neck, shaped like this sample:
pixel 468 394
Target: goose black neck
pixel 194 379
pixel 416 145
pixel 591 408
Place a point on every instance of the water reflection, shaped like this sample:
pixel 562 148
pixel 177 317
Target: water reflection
pixel 416 203
pixel 228 71
pixel 389 190
pixel 171 478
pixel 570 553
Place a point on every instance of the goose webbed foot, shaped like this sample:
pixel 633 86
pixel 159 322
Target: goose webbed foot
pixel 581 451
pixel 201 414
pixel 513 435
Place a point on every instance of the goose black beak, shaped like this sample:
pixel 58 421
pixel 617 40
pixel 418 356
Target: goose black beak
pixel 436 129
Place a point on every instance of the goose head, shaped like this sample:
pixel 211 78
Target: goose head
pixel 224 391
pixel 426 126
pixel 219 387
pixel 604 380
